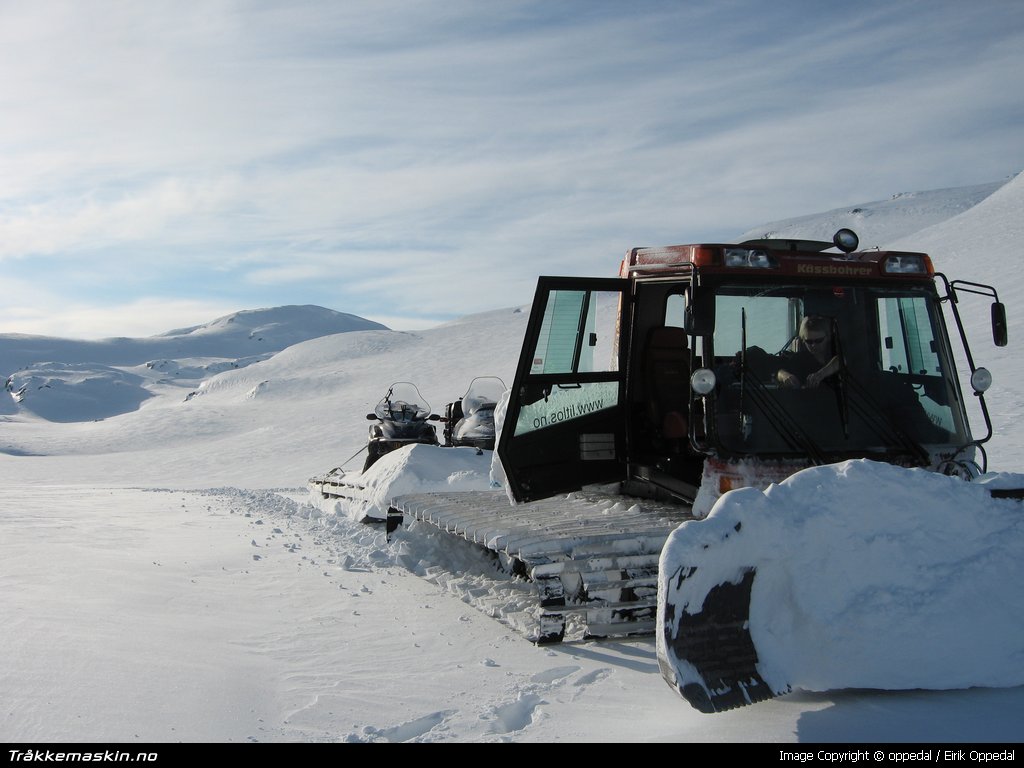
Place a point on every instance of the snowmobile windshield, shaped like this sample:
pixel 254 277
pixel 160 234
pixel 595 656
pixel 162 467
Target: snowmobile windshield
pixel 835 371
pixel 403 402
pixel 483 392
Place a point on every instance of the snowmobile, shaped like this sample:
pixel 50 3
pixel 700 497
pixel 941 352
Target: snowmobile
pixel 402 417
pixel 469 421
pixel 639 401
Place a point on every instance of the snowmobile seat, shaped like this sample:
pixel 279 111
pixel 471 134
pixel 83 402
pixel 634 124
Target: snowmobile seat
pixel 667 374
pixel 452 416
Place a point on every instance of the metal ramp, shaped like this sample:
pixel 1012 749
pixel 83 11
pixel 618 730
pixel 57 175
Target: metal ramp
pixel 590 555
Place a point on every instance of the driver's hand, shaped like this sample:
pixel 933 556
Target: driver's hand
pixel 814 379
pixel 787 379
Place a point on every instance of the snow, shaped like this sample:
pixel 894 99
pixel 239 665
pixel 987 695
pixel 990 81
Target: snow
pixel 881 223
pixel 165 578
pixel 894 596
pixel 415 469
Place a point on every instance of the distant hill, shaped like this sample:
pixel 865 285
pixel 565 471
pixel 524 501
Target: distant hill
pixel 881 222
pixel 68 380
pixel 288 325
pixel 238 335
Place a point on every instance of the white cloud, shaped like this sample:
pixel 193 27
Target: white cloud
pixel 82 320
pixel 91 222
pixel 200 150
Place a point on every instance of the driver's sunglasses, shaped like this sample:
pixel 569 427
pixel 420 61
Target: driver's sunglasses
pixel 815 341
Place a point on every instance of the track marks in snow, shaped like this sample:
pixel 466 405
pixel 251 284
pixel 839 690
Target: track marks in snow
pixel 553 675
pixel 524 706
pixel 425 728
pixel 547 687
pixel 591 677
pixel 358 558
pixel 519 714
pixel 565 683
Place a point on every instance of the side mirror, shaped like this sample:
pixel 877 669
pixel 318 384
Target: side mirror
pixel 371 417
pixel 999 334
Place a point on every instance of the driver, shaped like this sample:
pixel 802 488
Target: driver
pixel 813 361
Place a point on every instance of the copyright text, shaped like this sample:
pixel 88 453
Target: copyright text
pixel 885 756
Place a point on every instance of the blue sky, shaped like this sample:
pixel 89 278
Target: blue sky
pixel 164 163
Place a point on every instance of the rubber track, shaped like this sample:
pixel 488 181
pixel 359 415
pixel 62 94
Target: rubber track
pixel 592 556
pixel 717 643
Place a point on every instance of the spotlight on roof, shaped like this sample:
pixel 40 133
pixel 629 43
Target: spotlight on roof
pixel 846 240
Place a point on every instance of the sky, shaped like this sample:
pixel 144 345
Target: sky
pixel 166 575
pixel 162 164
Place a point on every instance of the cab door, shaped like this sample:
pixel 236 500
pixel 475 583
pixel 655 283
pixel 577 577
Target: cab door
pixel 565 422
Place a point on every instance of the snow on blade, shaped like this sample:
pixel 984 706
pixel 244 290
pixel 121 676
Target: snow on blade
pixel 866 577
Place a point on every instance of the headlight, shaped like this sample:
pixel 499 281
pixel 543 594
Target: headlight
pixel 703 381
pixel 907 264
pixel 981 380
pixel 747 257
pixel 846 240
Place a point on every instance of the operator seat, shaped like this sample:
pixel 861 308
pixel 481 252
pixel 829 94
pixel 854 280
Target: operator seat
pixel 667 373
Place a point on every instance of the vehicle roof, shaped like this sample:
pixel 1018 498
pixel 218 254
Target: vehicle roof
pixel 806 258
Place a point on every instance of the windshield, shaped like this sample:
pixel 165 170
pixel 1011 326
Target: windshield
pixel 483 392
pixel 826 371
pixel 403 402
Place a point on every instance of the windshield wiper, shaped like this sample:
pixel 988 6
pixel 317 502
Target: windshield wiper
pixel 780 419
pixel 841 375
pixel 776 415
pixel 870 411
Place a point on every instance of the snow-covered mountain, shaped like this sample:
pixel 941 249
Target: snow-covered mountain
pixel 70 380
pixel 881 222
pixel 275 328
pixel 235 336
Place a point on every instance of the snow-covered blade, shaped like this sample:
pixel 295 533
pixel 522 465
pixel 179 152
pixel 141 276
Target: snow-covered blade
pixel 777 590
